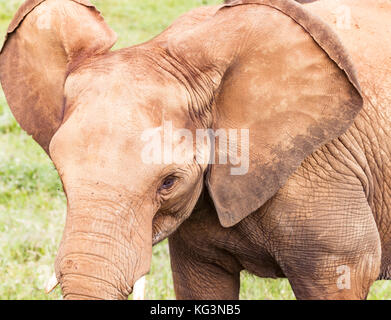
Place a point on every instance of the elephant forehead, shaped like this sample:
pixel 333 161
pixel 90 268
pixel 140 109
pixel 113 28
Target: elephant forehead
pixel 126 88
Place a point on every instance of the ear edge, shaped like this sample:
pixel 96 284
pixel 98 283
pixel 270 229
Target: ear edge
pixel 318 29
pixel 28 6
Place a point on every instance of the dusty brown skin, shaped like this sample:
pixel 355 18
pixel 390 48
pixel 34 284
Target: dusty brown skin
pixel 299 1
pixel 307 205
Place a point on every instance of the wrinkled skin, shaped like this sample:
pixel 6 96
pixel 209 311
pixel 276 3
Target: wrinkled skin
pixel 314 197
pixel 333 211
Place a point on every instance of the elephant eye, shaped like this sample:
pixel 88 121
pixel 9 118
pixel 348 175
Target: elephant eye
pixel 167 183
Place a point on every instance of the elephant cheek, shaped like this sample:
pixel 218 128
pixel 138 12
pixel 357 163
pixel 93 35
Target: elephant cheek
pixel 164 224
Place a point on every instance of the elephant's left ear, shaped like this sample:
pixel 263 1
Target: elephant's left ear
pixel 279 74
pixel 45 41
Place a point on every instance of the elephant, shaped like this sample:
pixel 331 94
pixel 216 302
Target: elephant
pixel 308 98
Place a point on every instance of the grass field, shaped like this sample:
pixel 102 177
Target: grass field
pixel 32 204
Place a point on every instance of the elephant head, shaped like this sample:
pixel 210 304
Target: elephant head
pixel 264 66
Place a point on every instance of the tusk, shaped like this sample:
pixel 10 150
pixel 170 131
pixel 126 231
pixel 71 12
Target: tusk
pixel 139 289
pixel 51 284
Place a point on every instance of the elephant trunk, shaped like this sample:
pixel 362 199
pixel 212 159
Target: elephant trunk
pixel 104 249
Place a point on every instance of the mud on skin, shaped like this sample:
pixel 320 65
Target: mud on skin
pixel 316 194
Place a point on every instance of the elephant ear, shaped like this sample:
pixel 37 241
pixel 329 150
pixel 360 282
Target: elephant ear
pixel 45 41
pixel 272 68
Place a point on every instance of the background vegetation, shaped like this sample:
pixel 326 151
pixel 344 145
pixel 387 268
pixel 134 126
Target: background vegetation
pixel 32 204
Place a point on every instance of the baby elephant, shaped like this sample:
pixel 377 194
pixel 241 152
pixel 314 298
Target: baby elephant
pixel 255 135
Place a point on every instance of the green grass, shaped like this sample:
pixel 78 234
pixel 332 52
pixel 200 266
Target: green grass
pixel 32 204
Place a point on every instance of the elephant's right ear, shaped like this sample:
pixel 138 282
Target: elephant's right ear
pixel 269 69
pixel 45 40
